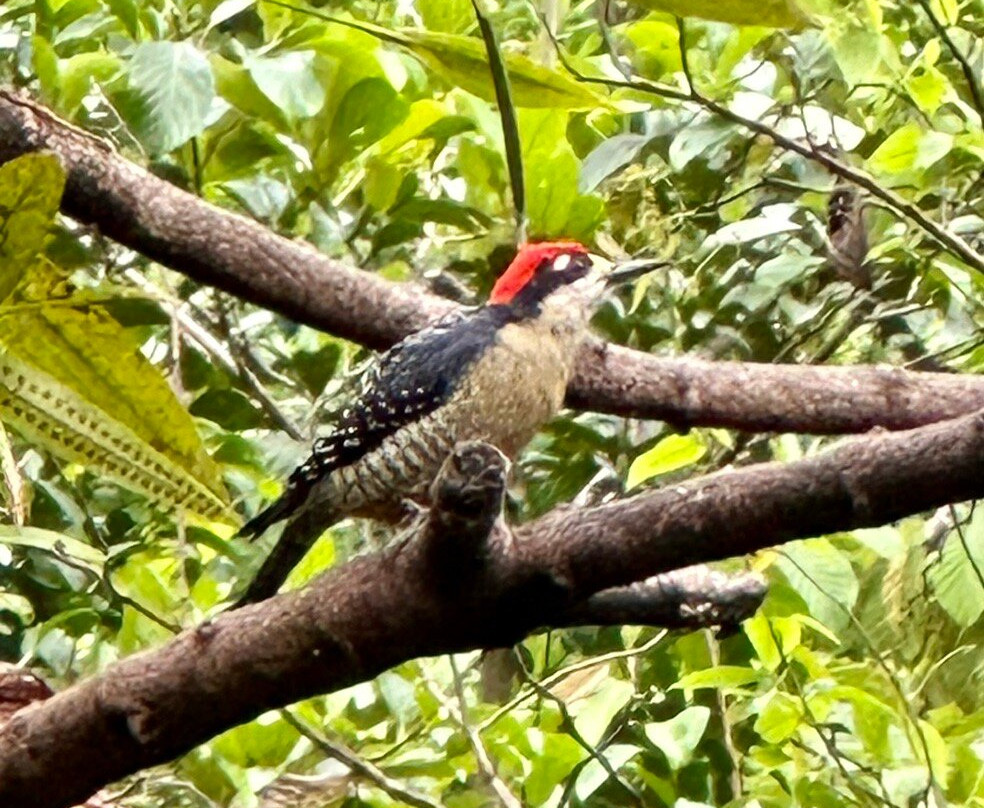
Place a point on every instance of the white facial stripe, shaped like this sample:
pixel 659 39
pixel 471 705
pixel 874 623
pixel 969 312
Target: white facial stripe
pixel 562 261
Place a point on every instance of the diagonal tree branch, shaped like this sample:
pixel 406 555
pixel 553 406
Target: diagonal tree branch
pixel 379 610
pixel 945 238
pixel 240 256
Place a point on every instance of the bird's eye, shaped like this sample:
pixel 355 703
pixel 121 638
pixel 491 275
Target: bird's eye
pixel 562 261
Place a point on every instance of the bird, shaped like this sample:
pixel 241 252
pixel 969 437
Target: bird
pixel 847 234
pixel 494 373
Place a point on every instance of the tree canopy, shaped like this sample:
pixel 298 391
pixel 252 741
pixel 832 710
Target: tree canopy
pixel 212 213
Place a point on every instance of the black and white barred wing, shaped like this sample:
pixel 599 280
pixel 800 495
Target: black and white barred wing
pixel 409 381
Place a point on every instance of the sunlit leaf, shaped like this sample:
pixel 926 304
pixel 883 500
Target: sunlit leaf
pixel 672 453
pixel 823 576
pixel 54 543
pixel 30 192
pixel 957 577
pixel 85 349
pixel 726 678
pixel 678 738
pixel 174 80
pixel 290 81
pixel 70 427
pixel 779 717
pixel 462 60
pixel 772 13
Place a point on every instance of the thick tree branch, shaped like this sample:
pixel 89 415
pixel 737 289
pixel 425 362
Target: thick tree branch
pixel 379 610
pixel 688 598
pixel 240 256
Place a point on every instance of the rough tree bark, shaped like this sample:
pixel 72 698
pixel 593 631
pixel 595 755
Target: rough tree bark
pixel 240 256
pixel 366 616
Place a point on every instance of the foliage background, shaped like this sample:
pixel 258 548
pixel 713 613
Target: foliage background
pixel 859 680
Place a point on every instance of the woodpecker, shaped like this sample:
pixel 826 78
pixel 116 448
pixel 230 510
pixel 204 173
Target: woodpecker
pixel 495 373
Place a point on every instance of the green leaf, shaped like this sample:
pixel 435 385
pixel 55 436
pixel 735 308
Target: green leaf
pixel 77 74
pixel 554 756
pixel 593 713
pixel 785 269
pixel 56 543
pixel 127 12
pixel 909 148
pixel 678 738
pixel 779 717
pixel 956 577
pixel 873 719
pixel 174 80
pixel 593 775
pixel 230 409
pixel 608 157
pixel 657 46
pixel 30 192
pixel 463 62
pixel 80 346
pixel 265 742
pixel 775 638
pixel 670 454
pixel 726 678
pixel 290 81
pixel 823 576
pixel 771 13
pixel 449 16
pixel 73 429
pixel 553 204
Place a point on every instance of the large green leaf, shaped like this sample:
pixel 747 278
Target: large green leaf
pixel 49 541
pixel 453 16
pixel 30 191
pixel 678 737
pixel 553 204
pixel 174 82
pixel 46 325
pixel 290 81
pixel 462 60
pixel 958 576
pixel 770 13
pixel 44 410
pixel 670 454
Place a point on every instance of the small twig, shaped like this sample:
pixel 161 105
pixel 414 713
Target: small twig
pixel 910 711
pixel 558 676
pixel 12 479
pixel 571 728
pixel 217 351
pixel 958 527
pixel 58 553
pixel 359 766
pixel 900 206
pixel 968 71
pixel 621 65
pixel 684 63
pixel 828 737
pixel 727 730
pixel 485 762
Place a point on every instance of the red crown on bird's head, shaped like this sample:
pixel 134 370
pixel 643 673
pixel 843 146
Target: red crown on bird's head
pixel 524 266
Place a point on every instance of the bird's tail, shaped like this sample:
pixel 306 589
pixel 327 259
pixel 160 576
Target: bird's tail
pixel 299 535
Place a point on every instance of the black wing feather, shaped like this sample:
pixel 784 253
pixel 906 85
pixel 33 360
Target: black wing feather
pixel 409 381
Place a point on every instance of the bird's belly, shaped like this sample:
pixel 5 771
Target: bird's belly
pixel 515 390
pixel 506 398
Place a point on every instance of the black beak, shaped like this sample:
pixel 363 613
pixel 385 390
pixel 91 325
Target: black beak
pixel 631 270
